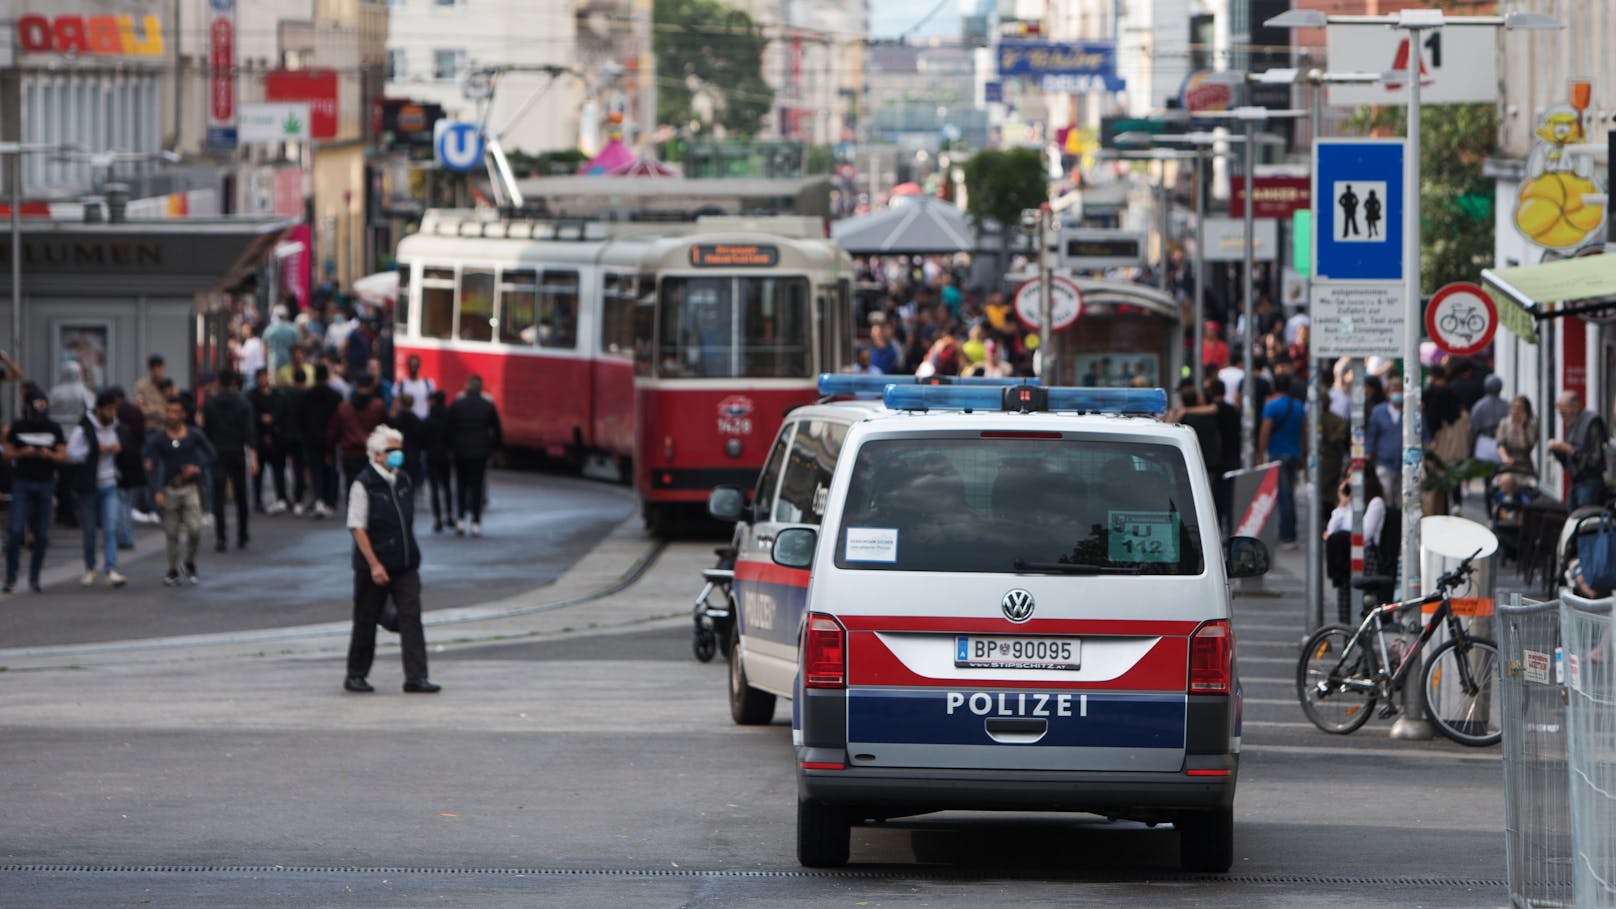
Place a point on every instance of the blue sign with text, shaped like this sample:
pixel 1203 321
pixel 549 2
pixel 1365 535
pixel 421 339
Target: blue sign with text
pixel 1075 66
pixel 1358 209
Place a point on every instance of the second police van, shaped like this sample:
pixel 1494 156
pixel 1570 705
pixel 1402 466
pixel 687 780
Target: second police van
pixel 1017 601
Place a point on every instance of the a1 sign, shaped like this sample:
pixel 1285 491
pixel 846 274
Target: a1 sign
pixel 1065 303
pixel 1457 64
pixel 1461 319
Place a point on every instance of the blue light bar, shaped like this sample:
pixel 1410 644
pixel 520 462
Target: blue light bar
pixel 1071 400
pixel 842 385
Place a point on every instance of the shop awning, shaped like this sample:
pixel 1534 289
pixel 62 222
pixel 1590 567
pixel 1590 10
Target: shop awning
pixel 1529 292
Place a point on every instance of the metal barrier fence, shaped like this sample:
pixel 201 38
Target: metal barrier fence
pixel 1537 811
pixel 1590 674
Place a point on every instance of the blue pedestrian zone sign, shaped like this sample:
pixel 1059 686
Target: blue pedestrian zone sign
pixel 1358 209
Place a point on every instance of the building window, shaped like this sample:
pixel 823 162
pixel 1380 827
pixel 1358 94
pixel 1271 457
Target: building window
pixel 447 65
pixel 395 66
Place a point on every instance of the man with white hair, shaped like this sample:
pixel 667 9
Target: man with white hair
pixel 386 562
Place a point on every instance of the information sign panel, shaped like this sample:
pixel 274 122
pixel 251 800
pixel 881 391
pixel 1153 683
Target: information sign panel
pixel 1357 319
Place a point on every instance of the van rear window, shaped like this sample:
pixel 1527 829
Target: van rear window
pixel 1055 506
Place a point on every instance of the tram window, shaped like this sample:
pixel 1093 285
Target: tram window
pixel 476 305
pixel 518 307
pixel 774 327
pixel 697 327
pixel 437 302
pixel 401 303
pixel 644 328
pixel 617 315
pixel 558 309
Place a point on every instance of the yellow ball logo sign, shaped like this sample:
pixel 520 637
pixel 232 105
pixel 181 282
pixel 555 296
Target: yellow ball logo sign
pixel 1551 211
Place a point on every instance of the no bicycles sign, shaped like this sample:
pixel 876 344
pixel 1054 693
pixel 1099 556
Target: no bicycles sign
pixel 1461 319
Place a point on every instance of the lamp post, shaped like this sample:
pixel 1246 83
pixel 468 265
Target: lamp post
pixel 1412 723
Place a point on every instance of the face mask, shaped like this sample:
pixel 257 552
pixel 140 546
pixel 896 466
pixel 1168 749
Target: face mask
pixel 1396 398
pixel 395 460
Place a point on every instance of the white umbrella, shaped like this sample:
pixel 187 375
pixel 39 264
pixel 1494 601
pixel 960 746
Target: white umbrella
pixel 380 288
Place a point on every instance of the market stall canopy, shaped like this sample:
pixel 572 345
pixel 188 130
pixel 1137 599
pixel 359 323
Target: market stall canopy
pixel 614 155
pixel 644 167
pixel 916 227
pixel 1530 292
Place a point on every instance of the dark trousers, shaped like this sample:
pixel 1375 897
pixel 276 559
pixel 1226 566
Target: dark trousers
pixel 232 469
pixel 437 474
pixel 405 588
pixel 470 476
pixel 272 460
pixel 30 511
pixel 322 475
pixel 352 465
pixel 300 479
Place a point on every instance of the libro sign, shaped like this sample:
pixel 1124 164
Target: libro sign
pixel 98 36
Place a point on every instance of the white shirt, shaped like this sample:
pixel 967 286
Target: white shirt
pixel 359 500
pixel 250 358
pixel 1340 402
pixel 1231 377
pixel 78 451
pixel 420 391
pixel 1374 520
pixel 1293 324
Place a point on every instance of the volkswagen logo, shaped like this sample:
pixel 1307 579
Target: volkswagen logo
pixel 1017 605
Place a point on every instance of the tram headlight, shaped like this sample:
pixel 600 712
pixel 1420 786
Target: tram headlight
pixel 732 447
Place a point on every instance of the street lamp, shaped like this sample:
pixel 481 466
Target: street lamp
pixel 1412 723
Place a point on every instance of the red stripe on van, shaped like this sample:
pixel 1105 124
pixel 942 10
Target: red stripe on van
pixel 871 663
pixel 770 573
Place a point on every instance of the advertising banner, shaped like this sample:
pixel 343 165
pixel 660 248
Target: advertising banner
pixel 1277 197
pixel 1076 67
pixel 221 74
pixel 316 86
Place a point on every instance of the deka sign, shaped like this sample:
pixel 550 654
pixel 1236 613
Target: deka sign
pixel 101 36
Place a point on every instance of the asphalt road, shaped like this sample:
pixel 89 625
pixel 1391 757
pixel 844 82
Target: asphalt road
pixel 597 766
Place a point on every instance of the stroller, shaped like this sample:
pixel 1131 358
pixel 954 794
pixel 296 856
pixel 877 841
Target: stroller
pixel 1508 494
pixel 714 616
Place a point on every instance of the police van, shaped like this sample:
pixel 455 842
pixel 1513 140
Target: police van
pixel 1018 601
pixel 791 492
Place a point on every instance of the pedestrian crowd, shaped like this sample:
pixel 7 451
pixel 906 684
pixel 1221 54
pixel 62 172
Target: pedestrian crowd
pixel 270 433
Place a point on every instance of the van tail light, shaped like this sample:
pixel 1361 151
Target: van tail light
pixel 824 653
pixel 1211 658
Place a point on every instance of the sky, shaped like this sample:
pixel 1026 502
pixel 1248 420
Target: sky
pixel 889 18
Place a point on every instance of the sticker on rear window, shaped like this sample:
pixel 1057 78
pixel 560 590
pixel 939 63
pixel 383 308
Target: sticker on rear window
pixel 872 544
pixel 1142 536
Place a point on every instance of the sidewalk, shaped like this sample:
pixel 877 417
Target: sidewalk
pixel 291 589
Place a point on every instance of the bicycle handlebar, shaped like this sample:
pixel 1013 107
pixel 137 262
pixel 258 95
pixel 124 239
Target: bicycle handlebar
pixel 1461 571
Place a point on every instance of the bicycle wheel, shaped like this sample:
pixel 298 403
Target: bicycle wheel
pixel 1328 704
pixel 1465 705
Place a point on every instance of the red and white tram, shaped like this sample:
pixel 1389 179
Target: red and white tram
pixel 676 345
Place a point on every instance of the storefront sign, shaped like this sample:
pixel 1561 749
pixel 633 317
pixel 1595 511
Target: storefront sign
pixel 100 36
pixel 279 121
pixel 1077 67
pixel 1202 94
pixel 316 86
pixel 1456 64
pixel 222 74
pixel 1277 197
pixel 1226 240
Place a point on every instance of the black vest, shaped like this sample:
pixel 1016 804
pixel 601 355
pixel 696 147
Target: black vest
pixel 392 522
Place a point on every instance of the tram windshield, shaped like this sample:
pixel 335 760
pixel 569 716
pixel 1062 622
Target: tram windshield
pixel 726 327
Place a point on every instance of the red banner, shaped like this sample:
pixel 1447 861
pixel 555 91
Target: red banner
pixel 1277 197
pixel 294 266
pixel 316 86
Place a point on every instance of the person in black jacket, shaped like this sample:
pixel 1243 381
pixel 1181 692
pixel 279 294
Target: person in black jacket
pixel 267 406
pixel 319 406
pixel 405 421
pixel 386 563
pixel 435 439
pixel 227 418
pixel 474 433
pixel 289 432
pixel 131 468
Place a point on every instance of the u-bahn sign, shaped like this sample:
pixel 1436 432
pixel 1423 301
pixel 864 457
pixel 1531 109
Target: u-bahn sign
pixel 1065 303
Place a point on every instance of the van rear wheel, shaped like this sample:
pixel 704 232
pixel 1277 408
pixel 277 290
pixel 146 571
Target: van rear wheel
pixel 824 834
pixel 747 705
pixel 1206 840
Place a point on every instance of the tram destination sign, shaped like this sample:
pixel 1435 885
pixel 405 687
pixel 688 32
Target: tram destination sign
pixel 1092 250
pixel 734 255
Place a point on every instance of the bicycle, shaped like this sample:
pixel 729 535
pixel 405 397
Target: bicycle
pixel 1344 672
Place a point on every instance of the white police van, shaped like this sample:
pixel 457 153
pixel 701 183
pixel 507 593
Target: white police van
pixel 1018 601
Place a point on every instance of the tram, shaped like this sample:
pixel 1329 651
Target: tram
pixel 665 351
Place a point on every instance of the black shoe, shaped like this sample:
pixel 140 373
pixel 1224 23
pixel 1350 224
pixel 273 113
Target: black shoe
pixel 421 686
pixel 35 586
pixel 241 543
pixel 172 579
pixel 219 546
pixel 437 527
pixel 10 585
pixel 357 685
pixel 190 573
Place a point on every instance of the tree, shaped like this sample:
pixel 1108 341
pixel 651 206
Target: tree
pixel 708 50
pixel 1456 200
pixel 1003 184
